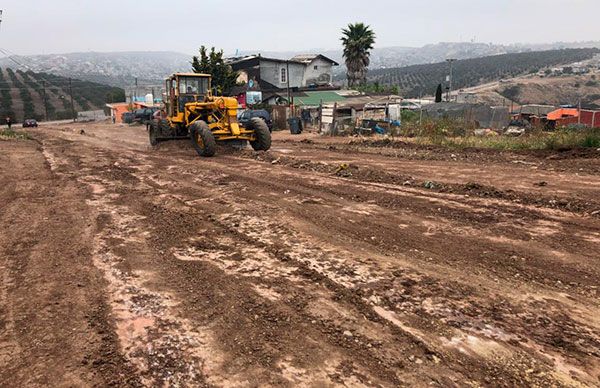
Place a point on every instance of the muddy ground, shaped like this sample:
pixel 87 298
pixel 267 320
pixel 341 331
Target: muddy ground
pixel 323 262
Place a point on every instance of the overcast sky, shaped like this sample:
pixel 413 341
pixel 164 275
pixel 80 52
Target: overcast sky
pixel 60 26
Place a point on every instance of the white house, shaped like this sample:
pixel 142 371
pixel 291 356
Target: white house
pixel 304 71
pixel 318 71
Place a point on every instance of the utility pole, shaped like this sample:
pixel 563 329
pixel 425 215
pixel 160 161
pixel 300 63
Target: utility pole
pixel 420 108
pixel 136 88
pixel 450 61
pixel 287 77
pixel 71 93
pixel 45 100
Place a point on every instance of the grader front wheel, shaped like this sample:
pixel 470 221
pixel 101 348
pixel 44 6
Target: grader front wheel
pixel 203 139
pixel 261 133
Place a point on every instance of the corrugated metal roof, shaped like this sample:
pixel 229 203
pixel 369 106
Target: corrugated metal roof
pixel 315 98
pixel 308 58
pixel 560 113
pixel 253 58
pixel 539 110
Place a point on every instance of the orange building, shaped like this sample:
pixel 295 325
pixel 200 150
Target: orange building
pixel 117 109
pixel 571 116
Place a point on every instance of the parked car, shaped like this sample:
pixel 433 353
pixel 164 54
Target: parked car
pixel 143 115
pixel 248 115
pixel 30 123
pixel 127 117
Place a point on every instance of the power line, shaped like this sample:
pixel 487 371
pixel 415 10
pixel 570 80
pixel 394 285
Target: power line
pixel 51 86
pixel 12 59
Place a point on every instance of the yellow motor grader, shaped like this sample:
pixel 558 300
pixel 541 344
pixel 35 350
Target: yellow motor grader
pixel 194 113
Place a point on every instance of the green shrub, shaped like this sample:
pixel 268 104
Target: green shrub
pixel 6 134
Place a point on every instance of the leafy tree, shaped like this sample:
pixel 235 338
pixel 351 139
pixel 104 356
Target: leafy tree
pixel 358 40
pixel 512 92
pixel 223 76
pixel 438 93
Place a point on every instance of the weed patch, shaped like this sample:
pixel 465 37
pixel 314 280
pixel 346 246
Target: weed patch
pixel 9 134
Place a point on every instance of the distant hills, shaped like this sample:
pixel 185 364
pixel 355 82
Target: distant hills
pixel 150 68
pixel 391 57
pixel 116 68
pixel 30 95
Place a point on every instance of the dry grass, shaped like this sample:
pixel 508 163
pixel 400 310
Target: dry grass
pixel 558 140
pixel 10 134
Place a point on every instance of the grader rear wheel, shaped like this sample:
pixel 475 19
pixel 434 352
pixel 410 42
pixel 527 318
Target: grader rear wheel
pixel 261 133
pixel 203 139
pixel 154 133
pixel 159 130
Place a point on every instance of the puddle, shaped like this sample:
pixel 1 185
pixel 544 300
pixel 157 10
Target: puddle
pixel 475 346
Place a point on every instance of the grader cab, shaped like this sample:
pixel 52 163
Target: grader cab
pixel 194 113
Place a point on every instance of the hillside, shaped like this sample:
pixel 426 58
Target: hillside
pixel 116 68
pixel 424 79
pixel 151 67
pixel 533 89
pixel 22 95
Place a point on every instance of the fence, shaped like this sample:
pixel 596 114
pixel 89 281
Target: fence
pixel 477 115
pixel 91 115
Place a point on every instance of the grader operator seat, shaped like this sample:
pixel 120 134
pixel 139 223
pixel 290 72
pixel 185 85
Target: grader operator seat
pixel 194 113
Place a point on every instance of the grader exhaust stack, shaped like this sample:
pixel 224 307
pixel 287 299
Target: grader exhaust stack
pixel 194 113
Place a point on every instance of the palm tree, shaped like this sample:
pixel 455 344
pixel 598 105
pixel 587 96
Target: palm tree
pixel 358 39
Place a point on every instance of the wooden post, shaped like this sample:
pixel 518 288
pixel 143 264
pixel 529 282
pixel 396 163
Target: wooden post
pixel 45 99
pixel 334 117
pixel 321 117
pixel 72 105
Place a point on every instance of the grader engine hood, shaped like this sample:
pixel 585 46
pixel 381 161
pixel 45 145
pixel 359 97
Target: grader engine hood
pixel 230 105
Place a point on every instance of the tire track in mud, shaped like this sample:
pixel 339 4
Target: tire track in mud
pixel 500 335
pixel 55 313
pixel 332 327
pixel 366 174
pixel 474 220
pixel 269 227
pixel 164 348
pixel 240 256
pixel 139 313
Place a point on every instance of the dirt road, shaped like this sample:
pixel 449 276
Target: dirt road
pixel 320 263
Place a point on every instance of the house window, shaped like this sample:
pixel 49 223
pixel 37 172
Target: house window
pixel 283 75
pixel 316 67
